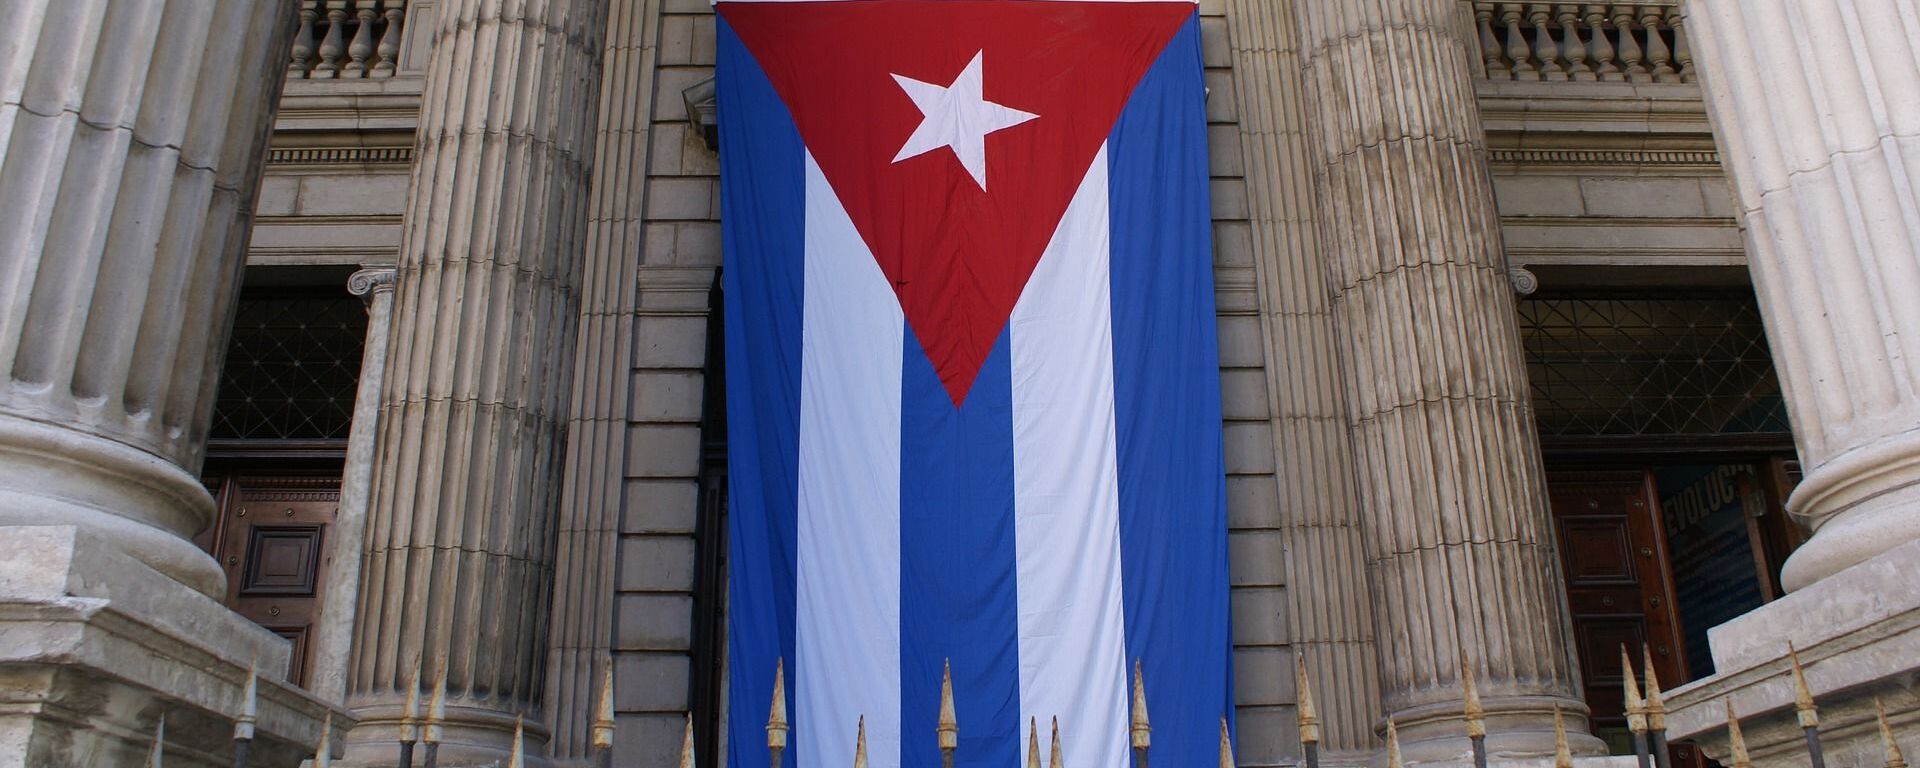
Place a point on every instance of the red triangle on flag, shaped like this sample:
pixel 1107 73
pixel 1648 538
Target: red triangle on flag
pixel 957 252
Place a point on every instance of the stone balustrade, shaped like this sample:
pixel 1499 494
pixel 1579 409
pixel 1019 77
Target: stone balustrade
pixel 1593 42
pixel 348 39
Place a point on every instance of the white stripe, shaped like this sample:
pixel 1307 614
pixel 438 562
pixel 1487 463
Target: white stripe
pixel 1066 489
pixel 848 595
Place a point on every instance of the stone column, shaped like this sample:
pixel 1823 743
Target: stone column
pixel 1460 552
pixel 1815 115
pixel 132 136
pixel 333 635
pixel 1329 615
pixel 1814 110
pixel 584 587
pixel 459 572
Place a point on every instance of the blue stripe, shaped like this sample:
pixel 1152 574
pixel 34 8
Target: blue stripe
pixel 1173 515
pixel 762 204
pixel 957 562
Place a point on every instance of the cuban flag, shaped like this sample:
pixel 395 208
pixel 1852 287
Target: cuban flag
pixel 972 379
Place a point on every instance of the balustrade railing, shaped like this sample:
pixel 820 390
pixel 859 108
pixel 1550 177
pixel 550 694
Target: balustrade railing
pixel 348 39
pixel 1604 42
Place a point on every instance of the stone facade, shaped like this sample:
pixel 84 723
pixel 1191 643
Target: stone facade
pixel 1387 174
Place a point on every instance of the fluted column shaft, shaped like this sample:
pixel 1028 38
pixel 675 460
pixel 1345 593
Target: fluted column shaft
pixel 1814 110
pixel 1460 553
pixel 1328 613
pixel 458 575
pixel 584 587
pixel 131 139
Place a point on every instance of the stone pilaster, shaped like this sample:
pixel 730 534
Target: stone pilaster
pixel 458 575
pixel 1328 610
pixel 1815 116
pixel 1460 550
pixel 132 136
pixel 590 504
pixel 1814 111
pixel 347 541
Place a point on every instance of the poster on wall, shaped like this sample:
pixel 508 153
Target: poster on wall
pixel 972 378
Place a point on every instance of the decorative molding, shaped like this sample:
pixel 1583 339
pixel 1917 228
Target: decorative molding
pixel 1631 157
pixel 340 156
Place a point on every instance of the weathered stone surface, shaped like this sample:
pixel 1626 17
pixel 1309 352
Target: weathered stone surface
pixel 1819 150
pixel 95 647
pixel 464 524
pixel 132 154
pixel 1857 633
pixel 1459 542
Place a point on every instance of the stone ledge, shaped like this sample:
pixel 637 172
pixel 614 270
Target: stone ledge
pixel 95 647
pixel 1858 637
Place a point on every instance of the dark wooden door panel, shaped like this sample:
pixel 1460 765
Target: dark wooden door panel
pixel 272 542
pixel 1619 590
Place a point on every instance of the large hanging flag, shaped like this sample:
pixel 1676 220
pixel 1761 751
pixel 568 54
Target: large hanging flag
pixel 972 379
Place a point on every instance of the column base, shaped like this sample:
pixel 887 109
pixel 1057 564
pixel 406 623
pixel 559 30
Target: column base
pixel 148 507
pixel 1518 728
pixel 471 738
pixel 1858 637
pixel 95 647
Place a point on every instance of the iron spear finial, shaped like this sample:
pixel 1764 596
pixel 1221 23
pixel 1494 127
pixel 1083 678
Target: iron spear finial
pixel 1139 731
pixel 947 729
pixel 603 721
pixel 1226 745
pixel 1309 717
pixel 1894 758
pixel 777 711
pixel 249 706
pixel 860 745
pixel 1033 743
pixel 1736 744
pixel 686 744
pixel 437 709
pixel 323 754
pixel 1393 746
pixel 1054 760
pixel 155 757
pixel 1474 714
pixel 410 714
pixel 1562 754
pixel 518 758
pixel 1802 695
pixel 1655 704
pixel 1636 706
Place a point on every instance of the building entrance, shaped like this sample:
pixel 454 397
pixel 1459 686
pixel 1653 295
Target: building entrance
pixel 1669 461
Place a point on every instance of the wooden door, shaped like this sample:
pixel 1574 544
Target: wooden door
pixel 1619 587
pixel 271 540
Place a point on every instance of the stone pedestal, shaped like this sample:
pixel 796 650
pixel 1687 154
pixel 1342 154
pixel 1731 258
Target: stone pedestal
pixel 96 647
pixel 467 474
pixel 1858 636
pixel 1459 545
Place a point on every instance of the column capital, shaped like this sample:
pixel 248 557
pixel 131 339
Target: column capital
pixel 369 283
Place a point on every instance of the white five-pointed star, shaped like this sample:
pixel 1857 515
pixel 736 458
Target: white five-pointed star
pixel 957 117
